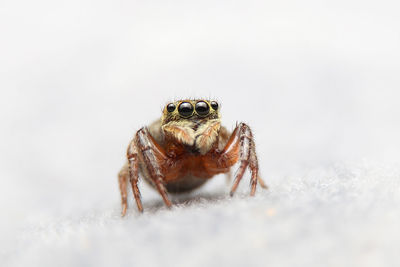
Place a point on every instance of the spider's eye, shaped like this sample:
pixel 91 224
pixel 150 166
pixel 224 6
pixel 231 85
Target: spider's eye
pixel 202 108
pixel 185 109
pixel 170 107
pixel 214 105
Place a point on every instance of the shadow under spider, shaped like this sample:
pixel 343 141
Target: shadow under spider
pixel 186 199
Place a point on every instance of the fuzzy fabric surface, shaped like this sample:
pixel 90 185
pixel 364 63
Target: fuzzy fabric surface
pixel 318 83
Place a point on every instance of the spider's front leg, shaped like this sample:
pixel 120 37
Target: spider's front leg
pixel 153 157
pixel 241 148
pixel 133 166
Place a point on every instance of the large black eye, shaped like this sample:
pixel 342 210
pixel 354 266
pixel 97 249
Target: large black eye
pixel 202 108
pixel 171 107
pixel 185 109
pixel 214 105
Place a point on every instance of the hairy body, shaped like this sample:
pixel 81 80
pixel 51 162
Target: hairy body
pixel 184 149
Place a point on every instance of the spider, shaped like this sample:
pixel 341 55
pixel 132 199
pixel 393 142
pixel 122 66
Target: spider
pixel 184 149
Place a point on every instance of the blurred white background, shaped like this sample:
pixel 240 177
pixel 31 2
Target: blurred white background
pixel 318 81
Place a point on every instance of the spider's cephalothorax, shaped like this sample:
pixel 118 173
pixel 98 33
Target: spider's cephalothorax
pixel 193 124
pixel 186 147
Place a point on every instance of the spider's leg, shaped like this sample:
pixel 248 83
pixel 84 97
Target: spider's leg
pixel 262 183
pixel 253 164
pixel 133 165
pixel 123 181
pixel 153 156
pixel 247 157
pixel 241 148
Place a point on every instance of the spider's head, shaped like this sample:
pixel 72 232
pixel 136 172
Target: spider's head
pixel 194 123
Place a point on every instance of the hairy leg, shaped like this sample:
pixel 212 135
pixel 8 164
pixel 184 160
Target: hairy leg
pixel 133 166
pixel 153 156
pixel 239 148
pixel 262 183
pixel 247 157
pixel 123 181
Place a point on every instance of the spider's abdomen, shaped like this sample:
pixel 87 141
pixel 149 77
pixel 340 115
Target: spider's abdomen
pixel 185 184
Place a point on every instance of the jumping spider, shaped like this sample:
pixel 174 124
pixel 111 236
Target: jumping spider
pixel 184 149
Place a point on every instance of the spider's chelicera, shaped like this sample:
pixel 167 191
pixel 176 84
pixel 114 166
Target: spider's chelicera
pixel 184 149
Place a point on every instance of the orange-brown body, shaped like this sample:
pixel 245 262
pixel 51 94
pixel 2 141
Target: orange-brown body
pixel 189 169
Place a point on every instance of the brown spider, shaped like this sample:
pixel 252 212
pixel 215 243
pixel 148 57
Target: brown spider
pixel 184 149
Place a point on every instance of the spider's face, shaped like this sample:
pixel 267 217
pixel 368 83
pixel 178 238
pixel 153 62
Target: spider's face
pixel 193 123
pixel 190 111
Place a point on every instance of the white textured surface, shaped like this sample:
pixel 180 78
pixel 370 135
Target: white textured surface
pixel 318 82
